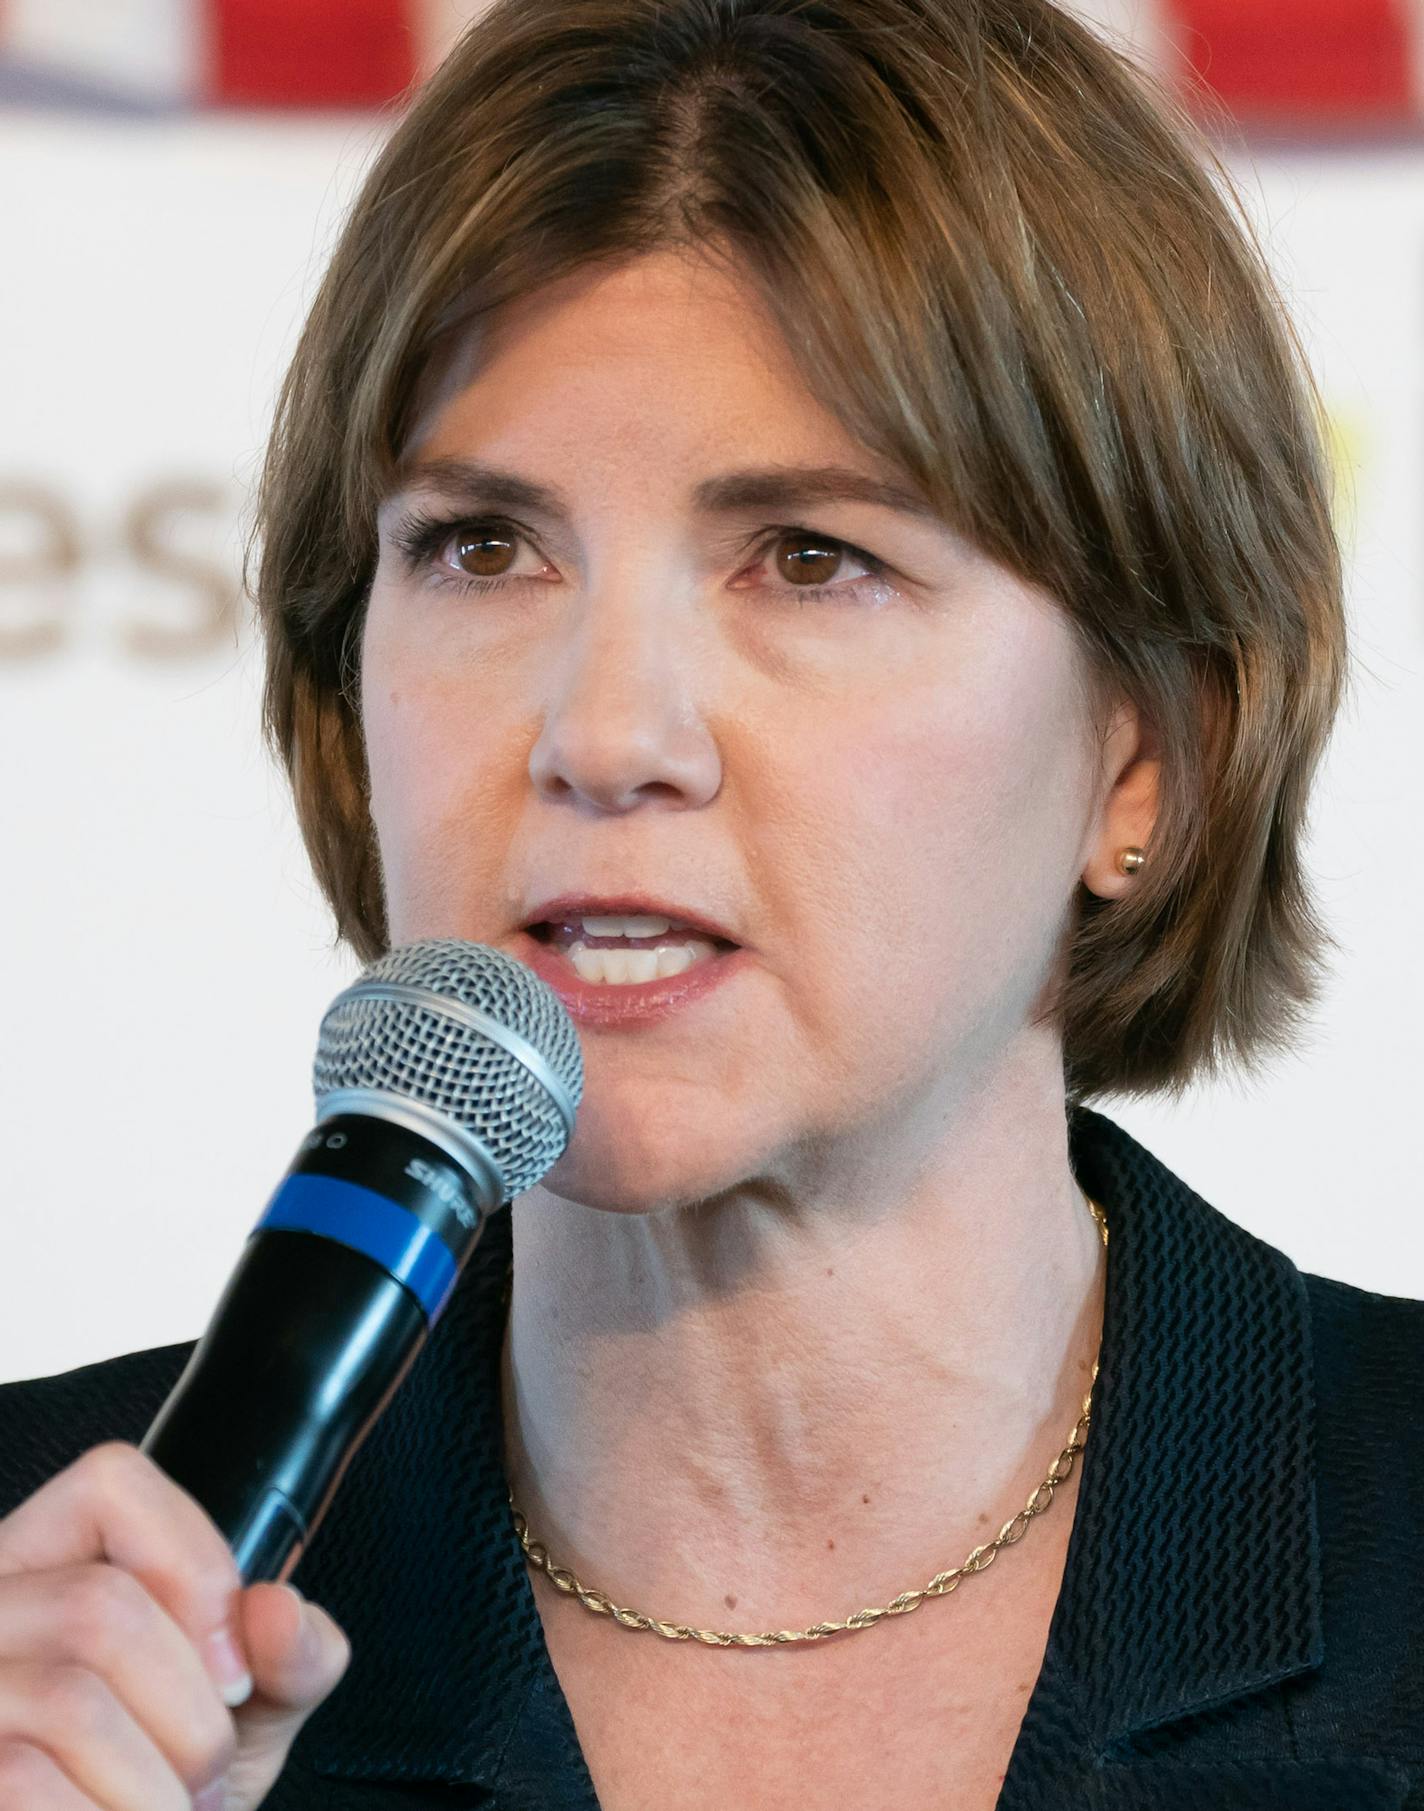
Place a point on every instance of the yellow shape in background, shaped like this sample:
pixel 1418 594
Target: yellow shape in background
pixel 1350 443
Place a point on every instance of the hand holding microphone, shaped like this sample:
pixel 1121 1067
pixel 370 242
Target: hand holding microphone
pixel 447 1077
pixel 124 1635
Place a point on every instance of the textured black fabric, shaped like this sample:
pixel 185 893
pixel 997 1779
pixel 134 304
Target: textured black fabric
pixel 1241 1620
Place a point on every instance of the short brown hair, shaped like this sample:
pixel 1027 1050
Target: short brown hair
pixel 1007 263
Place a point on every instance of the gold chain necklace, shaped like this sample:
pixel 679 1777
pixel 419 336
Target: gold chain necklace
pixel 939 1586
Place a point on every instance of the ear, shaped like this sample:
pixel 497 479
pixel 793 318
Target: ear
pixel 1130 777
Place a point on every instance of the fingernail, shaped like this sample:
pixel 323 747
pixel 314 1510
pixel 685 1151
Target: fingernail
pixel 308 1641
pixel 212 1798
pixel 228 1669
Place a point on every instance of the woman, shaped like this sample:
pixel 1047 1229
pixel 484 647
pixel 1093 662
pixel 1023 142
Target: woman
pixel 815 502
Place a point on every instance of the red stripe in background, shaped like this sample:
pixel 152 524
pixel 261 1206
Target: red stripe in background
pixel 307 53
pixel 1311 62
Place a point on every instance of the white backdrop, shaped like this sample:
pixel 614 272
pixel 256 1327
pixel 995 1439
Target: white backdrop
pixel 165 958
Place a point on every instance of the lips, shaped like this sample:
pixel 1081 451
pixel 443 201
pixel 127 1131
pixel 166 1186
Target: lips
pixel 630 1006
pixel 570 907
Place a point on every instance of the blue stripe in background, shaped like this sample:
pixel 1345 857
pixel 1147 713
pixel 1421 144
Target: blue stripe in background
pixel 367 1222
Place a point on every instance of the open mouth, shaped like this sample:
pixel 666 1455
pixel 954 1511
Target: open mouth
pixel 627 952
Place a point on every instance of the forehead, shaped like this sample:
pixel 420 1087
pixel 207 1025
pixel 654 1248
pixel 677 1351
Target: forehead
pixel 676 336
pixel 669 359
pixel 663 301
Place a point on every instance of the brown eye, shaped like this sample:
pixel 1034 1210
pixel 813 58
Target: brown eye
pixel 482 555
pixel 811 561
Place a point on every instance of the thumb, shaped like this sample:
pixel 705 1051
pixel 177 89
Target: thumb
pixel 297 1655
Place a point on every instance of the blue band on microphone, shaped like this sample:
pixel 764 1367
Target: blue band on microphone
pixel 367 1222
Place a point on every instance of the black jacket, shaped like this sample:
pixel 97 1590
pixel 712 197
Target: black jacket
pixel 1241 1620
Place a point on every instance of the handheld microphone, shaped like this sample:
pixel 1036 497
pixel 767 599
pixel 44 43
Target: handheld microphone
pixel 447 1077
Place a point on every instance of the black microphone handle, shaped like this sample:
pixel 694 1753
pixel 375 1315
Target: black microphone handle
pixel 313 1335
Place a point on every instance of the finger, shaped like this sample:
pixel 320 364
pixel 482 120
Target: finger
pixel 114 1504
pixel 72 1715
pixel 101 1618
pixel 31 1780
pixel 298 1655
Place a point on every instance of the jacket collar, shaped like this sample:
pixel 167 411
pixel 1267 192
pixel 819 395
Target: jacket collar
pixel 1193 1570
pixel 1192 1575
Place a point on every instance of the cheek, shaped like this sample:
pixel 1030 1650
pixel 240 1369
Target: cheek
pixel 932 839
pixel 386 716
pixel 401 800
pixel 904 805
pixel 445 802
pixel 402 757
pixel 416 715
pixel 421 752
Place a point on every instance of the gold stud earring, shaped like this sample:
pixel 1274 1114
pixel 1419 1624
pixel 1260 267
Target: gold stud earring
pixel 1129 861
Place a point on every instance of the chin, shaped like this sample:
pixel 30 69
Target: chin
pixel 640 1175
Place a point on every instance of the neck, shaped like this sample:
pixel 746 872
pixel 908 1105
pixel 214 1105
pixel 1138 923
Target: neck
pixel 746 1413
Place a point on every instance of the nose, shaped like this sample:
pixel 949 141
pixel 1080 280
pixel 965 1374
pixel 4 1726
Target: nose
pixel 623 725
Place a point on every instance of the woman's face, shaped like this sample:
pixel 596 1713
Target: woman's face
pixel 877 775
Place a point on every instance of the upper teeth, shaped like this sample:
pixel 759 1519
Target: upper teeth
pixel 625 926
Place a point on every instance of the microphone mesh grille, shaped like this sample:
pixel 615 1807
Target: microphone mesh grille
pixel 417 1051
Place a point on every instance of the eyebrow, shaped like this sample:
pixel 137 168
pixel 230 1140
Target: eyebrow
pixel 776 487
